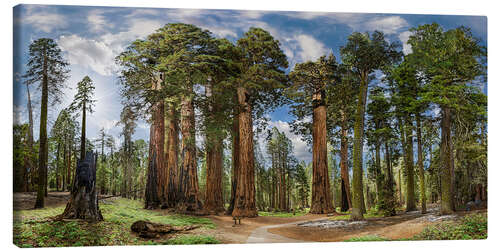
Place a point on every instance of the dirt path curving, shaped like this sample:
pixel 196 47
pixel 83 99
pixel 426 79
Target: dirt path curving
pixel 262 234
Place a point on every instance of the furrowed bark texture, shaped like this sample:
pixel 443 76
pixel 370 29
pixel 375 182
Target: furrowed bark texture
pixel 245 191
pixel 446 182
pixel 321 200
pixel 189 201
pixel 357 172
pixel 152 199
pixel 235 158
pixel 214 150
pixel 172 162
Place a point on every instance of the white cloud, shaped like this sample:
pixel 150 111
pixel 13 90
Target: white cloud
pixel 97 21
pixel 404 36
pixel 310 48
pixel 99 54
pixel 88 53
pixel 43 20
pixel 388 25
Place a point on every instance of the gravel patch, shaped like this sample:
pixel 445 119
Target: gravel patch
pixel 334 224
pixel 434 217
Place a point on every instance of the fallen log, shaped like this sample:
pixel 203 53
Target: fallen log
pixel 146 229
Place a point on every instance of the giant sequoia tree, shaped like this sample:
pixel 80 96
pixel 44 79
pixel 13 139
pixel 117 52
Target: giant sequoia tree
pixel 449 61
pixel 258 86
pixel 310 80
pixel 364 54
pixel 48 68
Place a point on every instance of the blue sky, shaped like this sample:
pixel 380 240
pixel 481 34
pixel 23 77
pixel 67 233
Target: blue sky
pixel 91 37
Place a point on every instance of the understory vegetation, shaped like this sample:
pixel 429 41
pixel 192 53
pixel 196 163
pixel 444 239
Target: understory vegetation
pixel 469 227
pixel 33 228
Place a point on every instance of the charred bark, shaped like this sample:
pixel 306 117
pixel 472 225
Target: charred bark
pixel 83 203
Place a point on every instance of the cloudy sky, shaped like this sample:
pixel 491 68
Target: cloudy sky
pixel 91 37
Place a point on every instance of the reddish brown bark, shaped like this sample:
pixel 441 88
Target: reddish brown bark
pixel 245 190
pixel 157 176
pixel 189 201
pixel 172 153
pixel 235 156
pixel 214 202
pixel 321 195
pixel 213 196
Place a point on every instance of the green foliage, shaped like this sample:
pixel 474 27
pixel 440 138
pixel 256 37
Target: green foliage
pixel 284 214
pixel 44 53
pixel 31 227
pixel 366 238
pixel 192 240
pixel 372 213
pixel 468 228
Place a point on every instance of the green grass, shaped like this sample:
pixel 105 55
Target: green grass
pixel 284 214
pixel 346 216
pixel 470 227
pixel 32 229
pixel 192 240
pixel 367 238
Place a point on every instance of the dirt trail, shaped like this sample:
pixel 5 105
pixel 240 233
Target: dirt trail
pixel 26 200
pixel 227 232
pixel 262 234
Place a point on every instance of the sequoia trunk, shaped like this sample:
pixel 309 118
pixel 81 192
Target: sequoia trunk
pixel 244 204
pixel 235 156
pixel 321 201
pixel 214 151
pixel 172 165
pixel 189 201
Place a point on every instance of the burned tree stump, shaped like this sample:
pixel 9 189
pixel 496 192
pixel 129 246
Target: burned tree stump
pixel 83 203
pixel 147 229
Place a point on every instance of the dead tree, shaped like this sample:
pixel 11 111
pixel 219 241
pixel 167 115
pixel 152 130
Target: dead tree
pixel 83 203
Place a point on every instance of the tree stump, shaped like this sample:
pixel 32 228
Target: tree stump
pixel 83 203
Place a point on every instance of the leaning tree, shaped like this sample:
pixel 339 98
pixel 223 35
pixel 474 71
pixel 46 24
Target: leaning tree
pixel 48 68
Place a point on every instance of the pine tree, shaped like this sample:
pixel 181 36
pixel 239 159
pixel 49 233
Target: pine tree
pixel 48 68
pixel 364 54
pixel 448 60
pixel 84 101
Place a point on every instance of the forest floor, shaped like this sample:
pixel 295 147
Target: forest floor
pixel 33 228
